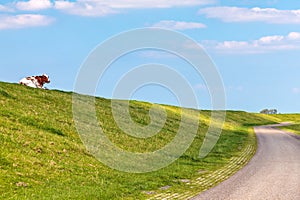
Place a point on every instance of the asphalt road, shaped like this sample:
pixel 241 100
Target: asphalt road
pixel 273 173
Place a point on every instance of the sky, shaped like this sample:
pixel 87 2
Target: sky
pixel 255 46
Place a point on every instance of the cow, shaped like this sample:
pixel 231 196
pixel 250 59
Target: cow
pixel 35 81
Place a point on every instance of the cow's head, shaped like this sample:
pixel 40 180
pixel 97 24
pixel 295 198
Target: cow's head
pixel 45 78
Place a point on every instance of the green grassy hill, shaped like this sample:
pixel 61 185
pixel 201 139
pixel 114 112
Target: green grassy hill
pixel 42 156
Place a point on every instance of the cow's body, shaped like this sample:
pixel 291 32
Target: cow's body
pixel 35 81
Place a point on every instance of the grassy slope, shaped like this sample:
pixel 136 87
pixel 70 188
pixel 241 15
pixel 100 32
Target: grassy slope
pixel 295 128
pixel 295 119
pixel 42 156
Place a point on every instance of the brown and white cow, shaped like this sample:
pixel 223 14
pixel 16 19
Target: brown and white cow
pixel 35 81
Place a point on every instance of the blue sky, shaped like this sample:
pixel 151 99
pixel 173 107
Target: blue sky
pixel 254 44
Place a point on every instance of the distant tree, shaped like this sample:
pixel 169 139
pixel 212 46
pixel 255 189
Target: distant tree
pixel 264 111
pixel 273 111
pixel 267 111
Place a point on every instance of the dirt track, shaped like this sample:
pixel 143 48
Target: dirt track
pixel 273 173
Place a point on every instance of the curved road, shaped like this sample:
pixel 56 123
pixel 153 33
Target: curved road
pixel 273 173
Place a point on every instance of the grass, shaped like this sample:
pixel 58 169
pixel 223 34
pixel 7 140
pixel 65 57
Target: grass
pixel 295 128
pixel 294 119
pixel 43 157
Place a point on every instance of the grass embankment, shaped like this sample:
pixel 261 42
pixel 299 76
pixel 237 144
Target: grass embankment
pixel 295 128
pixel 294 119
pixel 42 156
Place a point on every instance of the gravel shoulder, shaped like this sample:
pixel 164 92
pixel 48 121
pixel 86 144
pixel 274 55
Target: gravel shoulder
pixel 273 173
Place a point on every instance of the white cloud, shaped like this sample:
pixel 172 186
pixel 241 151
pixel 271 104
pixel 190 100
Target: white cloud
pixel 267 15
pixel 178 25
pixel 94 8
pixel 105 7
pixel 32 5
pixel 294 36
pixel 24 21
pixel 270 39
pixel 155 3
pixel 262 45
pixel 84 8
